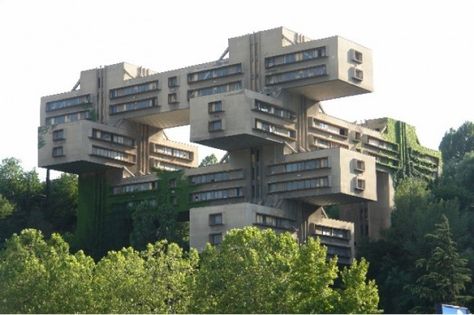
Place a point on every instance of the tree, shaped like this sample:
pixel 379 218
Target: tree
pixel 255 271
pixel 157 280
pixel 61 209
pixel 39 276
pixel 209 160
pixel 393 258
pixel 444 274
pixel 6 208
pixel 358 295
pixel 456 143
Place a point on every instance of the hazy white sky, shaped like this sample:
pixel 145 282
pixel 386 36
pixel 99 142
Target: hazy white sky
pixel 423 52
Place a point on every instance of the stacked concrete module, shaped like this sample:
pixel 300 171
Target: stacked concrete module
pixel 286 158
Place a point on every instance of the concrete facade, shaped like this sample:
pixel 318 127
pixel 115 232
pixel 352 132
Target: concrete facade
pixel 286 157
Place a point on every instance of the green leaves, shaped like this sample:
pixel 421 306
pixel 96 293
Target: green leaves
pixel 256 271
pixel 6 208
pixel 444 274
pixel 253 271
pixel 209 160
pixel 41 276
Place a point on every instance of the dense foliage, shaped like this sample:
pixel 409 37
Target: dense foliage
pixel 404 260
pixel 208 160
pixel 166 220
pixel 253 271
pixel 27 202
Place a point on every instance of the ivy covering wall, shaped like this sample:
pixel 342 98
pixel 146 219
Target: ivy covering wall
pixel 415 159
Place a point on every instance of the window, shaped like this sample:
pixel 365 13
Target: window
pixel 68 118
pixel 382 144
pixel 274 110
pixel 274 221
pixel 164 166
pixel 360 184
pixel 215 73
pixel 129 188
pixel 182 154
pixel 112 137
pixel 134 89
pixel 274 129
pixel 339 251
pixel 215 107
pixel 218 194
pixel 126 107
pixel 173 82
pixel 215 238
pixel 112 154
pixel 332 232
pixel 329 128
pixel 215 219
pixel 299 166
pixel 217 177
pixel 173 98
pixel 300 56
pixel 79 100
pixel 58 151
pixel 319 182
pixel 58 135
pixel 217 89
pixel 215 125
pixel 312 72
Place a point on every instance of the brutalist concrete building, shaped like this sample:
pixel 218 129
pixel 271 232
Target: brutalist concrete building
pixel 261 102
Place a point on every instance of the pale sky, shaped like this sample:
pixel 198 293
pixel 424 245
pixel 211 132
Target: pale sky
pixel 423 53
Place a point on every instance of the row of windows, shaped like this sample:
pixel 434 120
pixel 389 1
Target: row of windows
pixel 68 118
pixel 299 56
pixel 326 144
pixel 383 159
pixel 134 89
pixel 299 184
pixel 126 107
pixel 333 232
pixel 79 100
pixel 218 194
pixel 164 166
pixel 134 188
pixel 215 73
pixel 312 72
pixel 274 110
pixel 217 89
pixel 112 154
pixel 299 166
pixel 217 177
pixel 182 154
pixel 344 252
pixel 330 128
pixel 382 144
pixel 274 129
pixel 273 221
pixel 112 137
